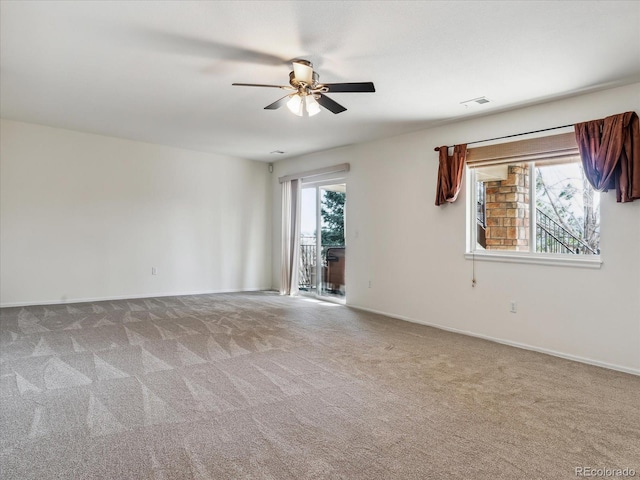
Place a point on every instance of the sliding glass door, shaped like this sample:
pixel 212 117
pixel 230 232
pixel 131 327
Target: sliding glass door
pixel 322 242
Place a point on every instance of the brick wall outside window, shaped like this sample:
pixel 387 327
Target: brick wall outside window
pixel 508 210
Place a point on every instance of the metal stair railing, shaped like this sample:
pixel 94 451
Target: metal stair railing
pixel 551 237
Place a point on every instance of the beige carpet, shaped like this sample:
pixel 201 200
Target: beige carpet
pixel 267 387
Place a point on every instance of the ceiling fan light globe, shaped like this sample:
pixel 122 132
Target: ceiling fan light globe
pixel 313 107
pixel 295 105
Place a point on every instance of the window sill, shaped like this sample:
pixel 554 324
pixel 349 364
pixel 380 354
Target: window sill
pixel 578 261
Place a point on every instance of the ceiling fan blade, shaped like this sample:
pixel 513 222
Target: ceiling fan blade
pixel 330 105
pixel 366 87
pixel 192 45
pixel 303 72
pixel 278 103
pixel 285 87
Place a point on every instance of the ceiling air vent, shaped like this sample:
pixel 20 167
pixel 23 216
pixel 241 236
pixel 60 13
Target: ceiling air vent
pixel 475 101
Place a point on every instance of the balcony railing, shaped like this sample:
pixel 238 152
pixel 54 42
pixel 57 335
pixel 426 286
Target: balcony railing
pixel 308 265
pixel 307 274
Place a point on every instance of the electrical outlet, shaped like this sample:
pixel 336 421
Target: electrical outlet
pixel 514 306
pixel 154 271
pixel 369 283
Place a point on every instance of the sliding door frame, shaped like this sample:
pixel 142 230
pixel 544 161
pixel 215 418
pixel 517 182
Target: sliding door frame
pixel 317 185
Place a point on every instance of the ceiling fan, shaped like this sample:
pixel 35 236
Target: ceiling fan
pixel 308 94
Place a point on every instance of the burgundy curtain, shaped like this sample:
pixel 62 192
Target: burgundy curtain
pixel 610 153
pixel 450 173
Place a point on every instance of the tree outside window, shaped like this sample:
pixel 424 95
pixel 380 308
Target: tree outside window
pixel 332 212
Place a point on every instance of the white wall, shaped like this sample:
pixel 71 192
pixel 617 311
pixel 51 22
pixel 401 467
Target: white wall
pixel 85 216
pixel 412 251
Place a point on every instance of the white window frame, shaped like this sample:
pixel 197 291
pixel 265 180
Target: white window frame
pixel 531 257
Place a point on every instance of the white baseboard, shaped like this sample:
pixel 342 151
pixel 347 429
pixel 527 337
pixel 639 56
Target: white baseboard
pixel 126 297
pixel 567 356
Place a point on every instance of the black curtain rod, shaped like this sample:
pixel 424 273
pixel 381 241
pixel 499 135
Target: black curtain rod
pixel 437 149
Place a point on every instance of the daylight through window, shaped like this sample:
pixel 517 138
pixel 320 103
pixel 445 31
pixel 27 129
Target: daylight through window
pixel 544 206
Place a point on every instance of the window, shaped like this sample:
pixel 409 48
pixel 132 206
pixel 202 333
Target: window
pixel 531 200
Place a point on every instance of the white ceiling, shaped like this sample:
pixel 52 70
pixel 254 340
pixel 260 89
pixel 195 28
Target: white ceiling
pixel 161 71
